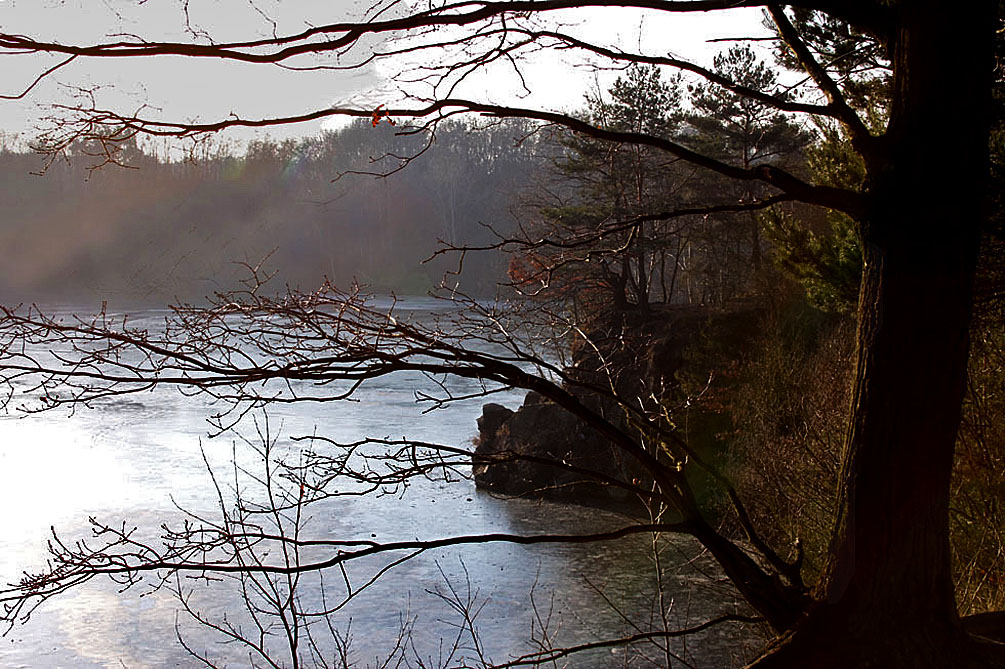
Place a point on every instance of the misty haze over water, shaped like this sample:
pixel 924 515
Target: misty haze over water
pixel 168 231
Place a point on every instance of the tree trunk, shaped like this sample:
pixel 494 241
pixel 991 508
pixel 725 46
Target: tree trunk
pixel 886 598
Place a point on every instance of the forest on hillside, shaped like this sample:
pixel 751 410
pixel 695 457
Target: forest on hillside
pixel 394 209
pixel 148 231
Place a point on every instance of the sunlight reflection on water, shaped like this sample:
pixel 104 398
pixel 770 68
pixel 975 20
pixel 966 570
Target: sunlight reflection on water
pixel 134 459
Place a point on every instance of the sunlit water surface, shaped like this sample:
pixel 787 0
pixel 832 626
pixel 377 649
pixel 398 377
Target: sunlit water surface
pixel 139 459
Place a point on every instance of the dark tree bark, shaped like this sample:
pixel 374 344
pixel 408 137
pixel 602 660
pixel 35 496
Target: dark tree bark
pixel 886 598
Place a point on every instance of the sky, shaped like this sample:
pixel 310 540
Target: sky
pixel 180 88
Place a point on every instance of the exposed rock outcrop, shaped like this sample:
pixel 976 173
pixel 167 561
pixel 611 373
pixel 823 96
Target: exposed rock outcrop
pixel 639 357
pixel 520 444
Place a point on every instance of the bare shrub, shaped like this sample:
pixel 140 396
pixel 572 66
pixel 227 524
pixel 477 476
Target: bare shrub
pixel 977 518
pixel 789 422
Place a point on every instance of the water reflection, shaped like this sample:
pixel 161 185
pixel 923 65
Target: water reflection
pixel 141 458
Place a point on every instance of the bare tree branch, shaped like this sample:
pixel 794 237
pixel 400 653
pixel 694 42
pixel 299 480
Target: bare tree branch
pixel 336 36
pixel 860 134
pixel 550 655
pixel 839 199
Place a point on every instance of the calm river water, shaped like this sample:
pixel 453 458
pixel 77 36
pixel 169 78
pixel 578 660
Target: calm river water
pixel 138 459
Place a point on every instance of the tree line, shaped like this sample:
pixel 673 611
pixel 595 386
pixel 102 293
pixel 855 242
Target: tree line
pixel 150 230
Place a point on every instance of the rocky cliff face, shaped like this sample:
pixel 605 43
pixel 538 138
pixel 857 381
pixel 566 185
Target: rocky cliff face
pixel 638 357
pixel 522 442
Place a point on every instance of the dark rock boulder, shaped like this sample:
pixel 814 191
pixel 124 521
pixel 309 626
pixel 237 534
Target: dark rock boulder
pixel 515 447
pixel 640 358
pixel 492 418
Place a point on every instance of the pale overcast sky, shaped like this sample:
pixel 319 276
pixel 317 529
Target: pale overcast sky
pixel 208 90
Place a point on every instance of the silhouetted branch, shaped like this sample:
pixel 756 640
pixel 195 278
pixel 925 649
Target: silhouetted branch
pixel 839 199
pixel 335 37
pixel 58 66
pixel 589 238
pixel 248 351
pixel 860 134
pixel 536 659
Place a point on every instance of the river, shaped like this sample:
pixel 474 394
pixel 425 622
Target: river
pixel 140 459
